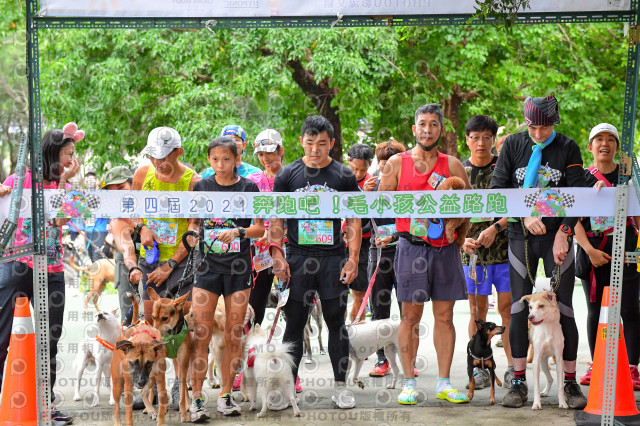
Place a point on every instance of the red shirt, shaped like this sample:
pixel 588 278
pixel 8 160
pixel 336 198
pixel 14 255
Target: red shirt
pixel 412 180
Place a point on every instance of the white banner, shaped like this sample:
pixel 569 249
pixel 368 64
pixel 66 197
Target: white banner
pixel 299 8
pixel 554 202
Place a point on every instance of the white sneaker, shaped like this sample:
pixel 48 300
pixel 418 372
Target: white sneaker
pixel 343 397
pixel 197 411
pixel 227 406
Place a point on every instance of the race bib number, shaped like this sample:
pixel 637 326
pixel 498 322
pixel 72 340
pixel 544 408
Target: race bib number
pixel 262 261
pixel 435 180
pixel 601 223
pixel 481 219
pixel 218 246
pixel 385 231
pixel 166 231
pixel 318 232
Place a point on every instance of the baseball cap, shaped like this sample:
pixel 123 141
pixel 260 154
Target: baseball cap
pixel 604 127
pixel 267 141
pixel 234 130
pixel 116 176
pixel 161 141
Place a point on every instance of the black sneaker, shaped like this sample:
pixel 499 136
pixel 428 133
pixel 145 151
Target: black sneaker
pixel 517 395
pixel 175 395
pixel 138 403
pixel 573 394
pixel 59 416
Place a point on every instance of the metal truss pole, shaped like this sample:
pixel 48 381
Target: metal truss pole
pixel 40 281
pixel 622 196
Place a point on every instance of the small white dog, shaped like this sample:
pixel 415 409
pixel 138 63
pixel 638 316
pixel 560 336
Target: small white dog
pixel 548 340
pixel 98 352
pixel 268 373
pixel 366 338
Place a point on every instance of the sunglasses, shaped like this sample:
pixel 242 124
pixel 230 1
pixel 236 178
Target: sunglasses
pixel 264 142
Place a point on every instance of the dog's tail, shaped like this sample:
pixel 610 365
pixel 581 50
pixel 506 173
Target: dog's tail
pixel 135 300
pixel 274 353
pixel 73 264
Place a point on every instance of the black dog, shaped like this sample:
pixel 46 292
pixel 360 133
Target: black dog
pixel 479 354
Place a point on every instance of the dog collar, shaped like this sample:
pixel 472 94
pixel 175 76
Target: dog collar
pixel 153 336
pixel 106 344
pixel 173 341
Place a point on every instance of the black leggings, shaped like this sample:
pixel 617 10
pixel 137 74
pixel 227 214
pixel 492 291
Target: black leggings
pixel 629 312
pixel 260 293
pixel 521 285
pixel 333 311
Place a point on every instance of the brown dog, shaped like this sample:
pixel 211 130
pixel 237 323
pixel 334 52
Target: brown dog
pixel 101 272
pixel 169 319
pixel 139 359
pixel 452 225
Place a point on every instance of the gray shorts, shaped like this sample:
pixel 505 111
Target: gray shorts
pixel 426 273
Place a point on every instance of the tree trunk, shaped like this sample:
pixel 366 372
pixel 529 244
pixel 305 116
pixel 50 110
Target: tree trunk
pixel 451 109
pixel 321 95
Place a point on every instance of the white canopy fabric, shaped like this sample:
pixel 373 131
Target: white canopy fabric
pixel 299 8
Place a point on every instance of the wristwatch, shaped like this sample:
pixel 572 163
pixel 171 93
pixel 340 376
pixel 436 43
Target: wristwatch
pixel 566 229
pixel 497 226
pixel 242 232
pixel 138 228
pixel 172 263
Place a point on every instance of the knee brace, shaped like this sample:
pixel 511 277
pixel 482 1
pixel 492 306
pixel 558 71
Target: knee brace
pixel 517 307
pixel 565 310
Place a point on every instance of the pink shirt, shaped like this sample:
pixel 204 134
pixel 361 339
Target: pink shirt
pixel 265 184
pixel 53 241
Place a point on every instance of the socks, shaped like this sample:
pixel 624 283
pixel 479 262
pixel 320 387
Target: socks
pixel 409 384
pixel 443 384
pixel 521 375
pixel 569 376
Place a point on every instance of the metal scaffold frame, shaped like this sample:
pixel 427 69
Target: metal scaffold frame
pixel 35 23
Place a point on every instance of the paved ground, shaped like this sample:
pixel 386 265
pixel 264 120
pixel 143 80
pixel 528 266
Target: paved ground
pixel 375 404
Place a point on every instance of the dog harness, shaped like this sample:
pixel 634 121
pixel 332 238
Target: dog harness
pixel 106 344
pixel 482 360
pixel 173 341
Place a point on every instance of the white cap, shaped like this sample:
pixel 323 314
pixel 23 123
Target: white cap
pixel 604 127
pixel 267 141
pixel 161 141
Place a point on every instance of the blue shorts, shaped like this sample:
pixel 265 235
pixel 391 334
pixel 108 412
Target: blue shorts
pixel 498 275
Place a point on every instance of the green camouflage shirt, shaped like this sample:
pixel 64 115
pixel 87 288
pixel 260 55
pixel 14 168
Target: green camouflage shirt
pixel 480 178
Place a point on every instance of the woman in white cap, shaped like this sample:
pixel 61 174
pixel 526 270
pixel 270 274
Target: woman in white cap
pixel 593 258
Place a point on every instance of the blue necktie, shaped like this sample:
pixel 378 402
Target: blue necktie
pixel 531 176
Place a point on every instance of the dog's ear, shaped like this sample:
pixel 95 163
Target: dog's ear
pixel 152 294
pixel 527 298
pixel 157 345
pixel 124 346
pixel 114 311
pixel 179 302
pixel 551 297
pixel 479 324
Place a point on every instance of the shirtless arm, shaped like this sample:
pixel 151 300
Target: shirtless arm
pixel 391 174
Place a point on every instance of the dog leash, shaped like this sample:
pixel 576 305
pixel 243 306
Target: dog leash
pixel 98 249
pixel 556 273
pixel 275 320
pixel 373 277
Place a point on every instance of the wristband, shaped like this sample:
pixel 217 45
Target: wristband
pixel 277 246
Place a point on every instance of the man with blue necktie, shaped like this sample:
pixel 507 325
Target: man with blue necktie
pixel 541 158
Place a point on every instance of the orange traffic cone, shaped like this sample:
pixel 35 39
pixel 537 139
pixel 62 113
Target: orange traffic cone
pixel 19 399
pixel 625 410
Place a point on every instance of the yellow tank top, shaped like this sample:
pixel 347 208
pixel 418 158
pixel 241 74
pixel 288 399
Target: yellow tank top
pixel 169 230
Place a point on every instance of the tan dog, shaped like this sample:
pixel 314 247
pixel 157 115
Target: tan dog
pixel 139 359
pixel 216 346
pixel 101 272
pixel 452 225
pixel 169 319
pixel 547 340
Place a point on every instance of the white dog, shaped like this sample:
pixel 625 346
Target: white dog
pixel 98 352
pixel 268 372
pixel 548 340
pixel 366 338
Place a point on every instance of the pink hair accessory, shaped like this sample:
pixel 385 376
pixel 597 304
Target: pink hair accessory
pixel 70 130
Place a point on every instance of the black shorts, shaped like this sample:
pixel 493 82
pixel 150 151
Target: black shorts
pixel 311 274
pixel 223 284
pixel 171 286
pixel 361 283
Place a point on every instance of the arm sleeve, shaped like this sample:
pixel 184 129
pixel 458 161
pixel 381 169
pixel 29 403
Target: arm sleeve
pixel 502 172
